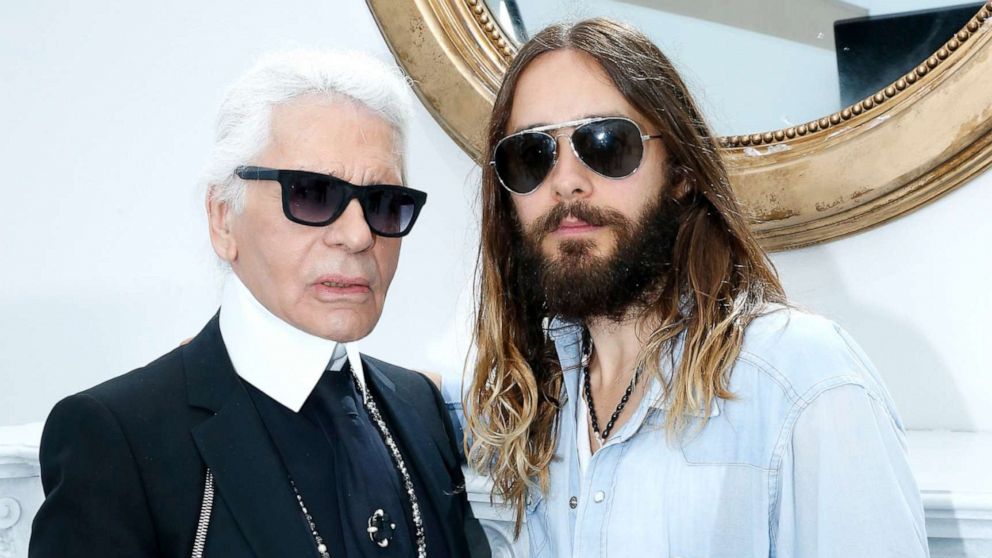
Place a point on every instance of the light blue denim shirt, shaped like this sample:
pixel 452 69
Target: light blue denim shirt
pixel 808 460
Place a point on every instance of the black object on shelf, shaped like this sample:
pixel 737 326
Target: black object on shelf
pixel 874 51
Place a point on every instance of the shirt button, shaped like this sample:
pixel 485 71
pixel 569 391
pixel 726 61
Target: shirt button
pixel 599 496
pixel 573 502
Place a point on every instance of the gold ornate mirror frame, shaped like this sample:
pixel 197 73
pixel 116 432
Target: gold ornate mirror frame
pixel 922 136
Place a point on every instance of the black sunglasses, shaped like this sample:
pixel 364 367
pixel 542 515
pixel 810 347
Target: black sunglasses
pixel 314 199
pixel 611 146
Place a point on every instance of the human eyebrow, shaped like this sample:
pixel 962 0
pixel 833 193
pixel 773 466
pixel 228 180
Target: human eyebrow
pixel 377 177
pixel 528 127
pixel 541 126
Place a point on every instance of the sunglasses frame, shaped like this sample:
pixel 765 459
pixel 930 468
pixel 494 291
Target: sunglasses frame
pixel 351 192
pixel 576 124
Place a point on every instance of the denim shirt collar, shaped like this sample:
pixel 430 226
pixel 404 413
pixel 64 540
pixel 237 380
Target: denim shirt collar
pixel 567 337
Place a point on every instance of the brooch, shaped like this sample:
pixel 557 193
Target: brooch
pixel 380 528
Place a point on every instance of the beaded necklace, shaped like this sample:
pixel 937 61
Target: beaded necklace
pixel 605 434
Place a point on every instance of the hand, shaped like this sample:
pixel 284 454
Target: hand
pixel 432 376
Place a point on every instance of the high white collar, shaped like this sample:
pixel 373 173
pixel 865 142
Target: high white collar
pixel 282 361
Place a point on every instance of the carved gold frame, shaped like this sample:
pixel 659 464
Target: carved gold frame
pixel 918 138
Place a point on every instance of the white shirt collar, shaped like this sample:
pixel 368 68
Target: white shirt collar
pixel 282 361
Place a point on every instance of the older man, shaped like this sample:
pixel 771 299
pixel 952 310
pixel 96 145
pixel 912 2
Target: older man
pixel 269 434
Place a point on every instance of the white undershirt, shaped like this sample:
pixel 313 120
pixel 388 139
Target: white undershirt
pixel 583 429
pixel 282 361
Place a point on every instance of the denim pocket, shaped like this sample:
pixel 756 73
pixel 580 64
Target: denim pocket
pixel 537 525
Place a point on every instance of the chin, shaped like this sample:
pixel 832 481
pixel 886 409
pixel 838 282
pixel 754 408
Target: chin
pixel 344 329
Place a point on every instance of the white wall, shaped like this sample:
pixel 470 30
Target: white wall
pixel 715 59
pixel 106 113
pixel 915 294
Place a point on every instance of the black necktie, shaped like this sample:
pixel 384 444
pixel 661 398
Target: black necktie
pixel 366 477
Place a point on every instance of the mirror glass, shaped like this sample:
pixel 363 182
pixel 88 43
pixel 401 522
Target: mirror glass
pixel 761 65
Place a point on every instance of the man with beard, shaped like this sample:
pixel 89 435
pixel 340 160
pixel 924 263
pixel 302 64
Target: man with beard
pixel 642 387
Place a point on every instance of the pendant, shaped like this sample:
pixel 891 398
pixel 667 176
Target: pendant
pixel 381 528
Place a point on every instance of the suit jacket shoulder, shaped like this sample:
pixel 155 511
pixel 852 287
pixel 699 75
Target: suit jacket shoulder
pixel 144 394
pixel 414 386
pixel 419 391
pixel 119 467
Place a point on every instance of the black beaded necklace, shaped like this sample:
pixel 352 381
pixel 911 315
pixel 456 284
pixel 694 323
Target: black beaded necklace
pixel 605 434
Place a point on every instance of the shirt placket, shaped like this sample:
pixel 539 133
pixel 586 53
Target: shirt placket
pixel 596 495
pixel 591 497
pixel 594 501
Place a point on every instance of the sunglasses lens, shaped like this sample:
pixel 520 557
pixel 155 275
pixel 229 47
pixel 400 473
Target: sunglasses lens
pixel 612 147
pixel 390 212
pixel 314 199
pixel 523 161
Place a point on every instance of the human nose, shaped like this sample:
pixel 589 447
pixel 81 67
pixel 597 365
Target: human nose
pixel 569 178
pixel 350 230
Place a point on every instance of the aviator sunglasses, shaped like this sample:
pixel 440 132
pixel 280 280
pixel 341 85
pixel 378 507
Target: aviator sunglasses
pixel 611 146
pixel 314 199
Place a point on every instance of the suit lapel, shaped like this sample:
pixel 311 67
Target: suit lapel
pixel 235 445
pixel 420 444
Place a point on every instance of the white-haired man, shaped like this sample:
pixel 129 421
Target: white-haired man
pixel 269 434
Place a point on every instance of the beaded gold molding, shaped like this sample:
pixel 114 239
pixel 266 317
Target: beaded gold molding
pixel 484 19
pixel 873 101
pixel 494 34
pixel 923 135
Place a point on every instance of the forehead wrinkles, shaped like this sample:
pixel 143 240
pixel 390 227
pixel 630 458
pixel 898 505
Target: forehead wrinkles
pixel 369 129
pixel 376 165
pixel 366 171
pixel 356 145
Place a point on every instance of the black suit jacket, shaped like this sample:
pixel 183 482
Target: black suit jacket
pixel 123 463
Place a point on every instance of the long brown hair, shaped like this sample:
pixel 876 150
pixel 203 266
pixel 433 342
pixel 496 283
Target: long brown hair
pixel 718 281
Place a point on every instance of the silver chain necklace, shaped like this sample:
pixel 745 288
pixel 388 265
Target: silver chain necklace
pixel 394 450
pixel 317 539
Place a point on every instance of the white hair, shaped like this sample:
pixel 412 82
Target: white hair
pixel 243 127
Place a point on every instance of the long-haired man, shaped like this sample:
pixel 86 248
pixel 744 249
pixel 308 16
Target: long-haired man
pixel 642 386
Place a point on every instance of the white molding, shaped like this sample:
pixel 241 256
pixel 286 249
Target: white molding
pixel 496 517
pixel 20 487
pixel 950 468
pixel 952 471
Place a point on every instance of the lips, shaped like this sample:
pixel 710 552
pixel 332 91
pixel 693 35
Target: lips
pixel 337 284
pixel 340 285
pixel 342 281
pixel 573 225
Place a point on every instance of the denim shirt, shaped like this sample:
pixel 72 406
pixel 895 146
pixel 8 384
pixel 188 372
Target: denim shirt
pixel 807 460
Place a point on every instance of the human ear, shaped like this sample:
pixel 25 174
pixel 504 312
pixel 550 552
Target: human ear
pixel 680 183
pixel 219 217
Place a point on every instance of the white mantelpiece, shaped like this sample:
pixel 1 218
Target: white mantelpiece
pixel 20 487
pixel 953 472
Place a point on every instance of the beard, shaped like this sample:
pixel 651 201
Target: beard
pixel 577 285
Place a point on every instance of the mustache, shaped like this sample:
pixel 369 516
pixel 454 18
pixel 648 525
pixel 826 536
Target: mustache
pixel 595 216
